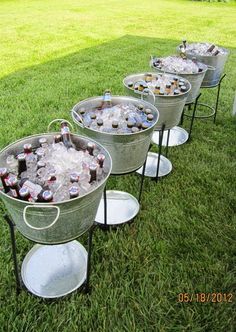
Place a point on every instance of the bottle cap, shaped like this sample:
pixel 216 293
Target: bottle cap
pixel 150 117
pixel 130 124
pixel 148 111
pixel 27 148
pixel 183 88
pixel 73 192
pixel 140 107
pixel 90 147
pixel 100 158
pixel 93 116
pixel 47 195
pixel 144 125
pixel 130 84
pixel 42 140
pixel 115 124
pixel 21 156
pixel 74 177
pixel 134 130
pixel 24 192
pixel 82 110
pixel 99 122
pixel 176 92
pixel 168 85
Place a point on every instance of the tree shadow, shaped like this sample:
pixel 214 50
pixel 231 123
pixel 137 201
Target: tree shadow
pixel 32 97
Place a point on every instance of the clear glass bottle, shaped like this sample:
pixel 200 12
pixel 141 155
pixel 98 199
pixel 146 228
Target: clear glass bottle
pixel 66 137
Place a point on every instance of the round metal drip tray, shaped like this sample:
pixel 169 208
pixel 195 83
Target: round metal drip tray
pixel 177 136
pixel 121 208
pixel 54 271
pixel 151 166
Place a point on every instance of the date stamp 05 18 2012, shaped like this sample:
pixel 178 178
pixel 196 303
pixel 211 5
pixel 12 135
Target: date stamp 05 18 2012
pixel 205 297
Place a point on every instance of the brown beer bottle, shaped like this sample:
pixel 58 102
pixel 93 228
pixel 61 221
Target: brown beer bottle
pixel 66 137
pixel 4 175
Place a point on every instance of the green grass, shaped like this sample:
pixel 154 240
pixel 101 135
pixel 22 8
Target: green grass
pixel 55 53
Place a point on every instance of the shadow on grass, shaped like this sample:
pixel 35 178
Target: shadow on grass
pixel 32 97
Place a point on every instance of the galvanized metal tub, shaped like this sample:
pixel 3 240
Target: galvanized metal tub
pixel 128 151
pixel 170 107
pixel 54 223
pixel 215 66
pixel 194 79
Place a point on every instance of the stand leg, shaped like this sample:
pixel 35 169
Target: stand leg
pixel 217 98
pixel 193 116
pixel 105 208
pixel 13 244
pixel 182 118
pixel 161 133
pixel 142 179
pixel 90 238
pixel 167 142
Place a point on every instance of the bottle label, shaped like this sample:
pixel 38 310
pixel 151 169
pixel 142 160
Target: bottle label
pixel 65 130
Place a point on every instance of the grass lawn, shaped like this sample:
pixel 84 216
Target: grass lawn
pixel 55 53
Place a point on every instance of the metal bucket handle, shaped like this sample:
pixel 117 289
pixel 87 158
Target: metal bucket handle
pixel 149 92
pixel 56 120
pixel 80 122
pixel 41 206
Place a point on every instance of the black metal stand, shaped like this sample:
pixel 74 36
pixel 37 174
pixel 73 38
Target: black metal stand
pixel 14 256
pixel 88 272
pixel 19 283
pixel 161 134
pixel 105 225
pixel 213 109
pixel 157 165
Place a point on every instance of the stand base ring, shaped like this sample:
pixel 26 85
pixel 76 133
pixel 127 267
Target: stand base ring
pixel 122 207
pixel 178 136
pixel 151 166
pixel 54 271
pixel 212 113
